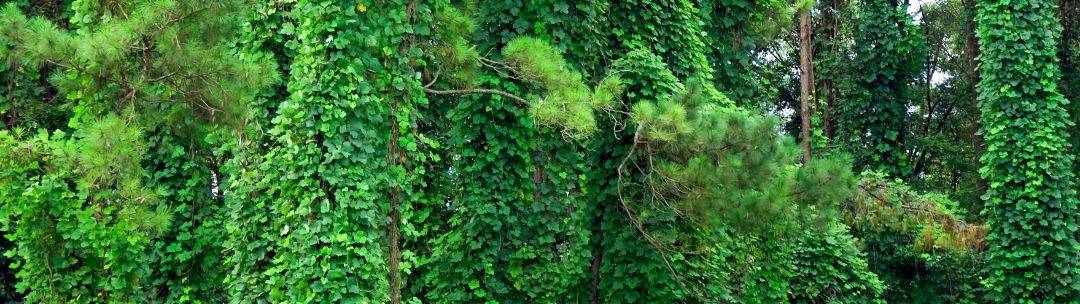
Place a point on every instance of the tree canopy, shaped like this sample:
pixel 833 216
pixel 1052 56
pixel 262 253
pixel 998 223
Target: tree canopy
pixel 548 151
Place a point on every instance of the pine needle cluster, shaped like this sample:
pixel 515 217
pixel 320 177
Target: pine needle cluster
pixel 719 165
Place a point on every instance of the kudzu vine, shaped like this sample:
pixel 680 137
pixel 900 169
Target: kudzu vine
pixel 886 54
pixel 494 151
pixel 1031 201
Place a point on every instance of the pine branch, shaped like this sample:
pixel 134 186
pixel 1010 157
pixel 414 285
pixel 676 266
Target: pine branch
pixel 621 171
pixel 435 78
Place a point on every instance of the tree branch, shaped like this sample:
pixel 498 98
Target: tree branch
pixel 479 91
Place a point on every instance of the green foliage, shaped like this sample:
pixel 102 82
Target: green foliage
pixel 880 204
pixel 693 143
pixel 669 29
pixel 1031 202
pixel 515 211
pixel 264 37
pixel 514 232
pixel 737 32
pixel 674 184
pixel 545 151
pixel 186 257
pixel 111 149
pixel 830 268
pixel 887 59
pixel 25 100
pixel 452 28
pixel 832 31
pixel 568 103
pixel 539 62
pixel 179 59
pixel 576 28
pixel 78 237
pixel 627 266
pixel 333 173
pixel 26 103
pixel 918 244
pixel 913 275
pixel 122 219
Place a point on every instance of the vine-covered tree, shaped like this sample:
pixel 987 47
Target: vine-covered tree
pixel 1031 202
pixel 886 58
pixel 550 151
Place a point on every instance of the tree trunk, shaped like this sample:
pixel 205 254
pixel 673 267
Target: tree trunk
pixel 830 19
pixel 971 54
pixel 805 80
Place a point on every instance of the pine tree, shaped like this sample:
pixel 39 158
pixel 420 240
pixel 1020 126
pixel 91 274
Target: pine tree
pixel 139 77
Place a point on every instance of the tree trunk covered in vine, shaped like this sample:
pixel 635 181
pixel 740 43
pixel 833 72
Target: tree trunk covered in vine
pixel 1031 202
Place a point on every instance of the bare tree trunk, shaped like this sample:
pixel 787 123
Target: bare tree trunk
pixel 971 54
pixel 805 80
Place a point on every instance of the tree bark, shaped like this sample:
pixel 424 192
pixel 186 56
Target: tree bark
pixel 971 54
pixel 805 80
